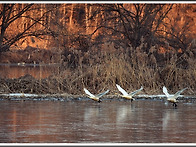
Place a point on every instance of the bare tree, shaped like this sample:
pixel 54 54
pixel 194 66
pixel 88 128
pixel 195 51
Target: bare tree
pixel 180 32
pixel 18 21
pixel 132 22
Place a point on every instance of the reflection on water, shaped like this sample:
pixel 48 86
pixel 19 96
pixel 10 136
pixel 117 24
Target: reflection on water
pixel 168 118
pixel 124 112
pixel 179 124
pixel 10 71
pixel 91 113
pixel 91 122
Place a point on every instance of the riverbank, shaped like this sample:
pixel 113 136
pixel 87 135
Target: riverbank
pixel 57 86
pixel 101 70
pixel 69 97
pixel 31 56
pixel 48 89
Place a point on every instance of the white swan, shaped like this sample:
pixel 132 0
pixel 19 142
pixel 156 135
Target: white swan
pixel 172 98
pixel 126 95
pixel 95 97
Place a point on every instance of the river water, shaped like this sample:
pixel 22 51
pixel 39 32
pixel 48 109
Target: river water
pixel 11 71
pixel 86 121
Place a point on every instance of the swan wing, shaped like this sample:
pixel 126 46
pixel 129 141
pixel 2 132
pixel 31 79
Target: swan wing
pixel 103 93
pixel 88 93
pixel 165 91
pixel 179 92
pixel 136 91
pixel 121 90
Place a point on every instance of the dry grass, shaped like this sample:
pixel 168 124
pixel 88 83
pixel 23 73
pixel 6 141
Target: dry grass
pixel 101 70
pixel 105 69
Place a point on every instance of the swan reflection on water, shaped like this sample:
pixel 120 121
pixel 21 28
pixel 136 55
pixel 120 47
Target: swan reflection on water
pixel 91 113
pixel 124 112
pixel 169 117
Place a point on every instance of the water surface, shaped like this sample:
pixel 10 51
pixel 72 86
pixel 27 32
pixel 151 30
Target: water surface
pixel 142 121
pixel 10 71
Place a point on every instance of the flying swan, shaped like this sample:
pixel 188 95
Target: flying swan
pixel 126 95
pixel 95 97
pixel 172 98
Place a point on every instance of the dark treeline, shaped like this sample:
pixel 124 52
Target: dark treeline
pixel 60 25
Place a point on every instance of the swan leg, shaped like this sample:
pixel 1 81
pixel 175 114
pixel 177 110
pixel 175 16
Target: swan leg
pixel 99 100
pixel 175 105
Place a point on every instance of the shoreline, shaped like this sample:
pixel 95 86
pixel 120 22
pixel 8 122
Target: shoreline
pixel 69 97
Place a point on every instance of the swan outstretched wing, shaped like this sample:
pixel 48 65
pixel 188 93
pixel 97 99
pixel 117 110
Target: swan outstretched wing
pixel 103 93
pixel 121 90
pixel 136 91
pixel 88 93
pixel 165 91
pixel 179 92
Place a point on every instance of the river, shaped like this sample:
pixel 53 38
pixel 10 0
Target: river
pixel 12 71
pixel 86 121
